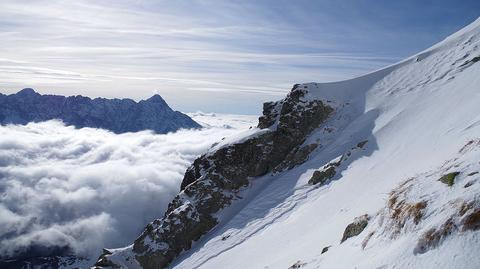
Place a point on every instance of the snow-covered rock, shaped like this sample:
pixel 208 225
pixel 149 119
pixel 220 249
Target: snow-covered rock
pixel 391 137
pixel 216 179
pixel 116 115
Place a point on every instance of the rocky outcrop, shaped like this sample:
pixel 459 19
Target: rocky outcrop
pixel 449 178
pixel 322 176
pixel 116 115
pixel 356 227
pixel 297 264
pixel 215 179
pixel 328 171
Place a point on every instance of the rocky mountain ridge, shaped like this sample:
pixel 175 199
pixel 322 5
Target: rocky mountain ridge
pixel 116 115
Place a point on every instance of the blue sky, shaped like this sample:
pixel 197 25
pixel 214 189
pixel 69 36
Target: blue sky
pixel 213 56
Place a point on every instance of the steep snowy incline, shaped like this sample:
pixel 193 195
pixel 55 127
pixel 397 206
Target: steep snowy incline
pixel 393 135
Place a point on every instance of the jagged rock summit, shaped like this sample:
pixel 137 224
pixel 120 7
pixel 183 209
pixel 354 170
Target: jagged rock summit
pixel 116 115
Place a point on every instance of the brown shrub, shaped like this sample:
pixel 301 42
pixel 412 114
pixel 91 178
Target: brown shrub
pixel 464 207
pixel 367 238
pixel 471 221
pixel 469 145
pixel 434 237
pixel 401 212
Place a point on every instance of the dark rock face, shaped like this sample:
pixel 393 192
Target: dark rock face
pixel 270 114
pixel 355 228
pixel 41 257
pixel 322 176
pixel 298 264
pixel 295 157
pixel 116 115
pixel 214 180
pixel 327 172
pixel 51 262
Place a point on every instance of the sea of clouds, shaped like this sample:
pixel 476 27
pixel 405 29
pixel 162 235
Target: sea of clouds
pixel 85 189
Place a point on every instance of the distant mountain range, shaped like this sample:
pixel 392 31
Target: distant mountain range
pixel 116 115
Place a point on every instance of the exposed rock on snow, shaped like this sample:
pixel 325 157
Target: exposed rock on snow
pixel 355 228
pixel 116 115
pixel 298 264
pixel 328 171
pixel 449 178
pixel 322 176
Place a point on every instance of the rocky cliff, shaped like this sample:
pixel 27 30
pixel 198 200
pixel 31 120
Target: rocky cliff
pixel 215 179
pixel 116 115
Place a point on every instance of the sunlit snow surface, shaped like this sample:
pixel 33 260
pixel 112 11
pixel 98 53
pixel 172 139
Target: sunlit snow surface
pixel 89 188
pixel 416 116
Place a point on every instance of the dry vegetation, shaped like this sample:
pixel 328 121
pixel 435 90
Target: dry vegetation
pixel 472 220
pixel 401 211
pixel 433 237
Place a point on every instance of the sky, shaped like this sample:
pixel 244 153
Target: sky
pixel 211 56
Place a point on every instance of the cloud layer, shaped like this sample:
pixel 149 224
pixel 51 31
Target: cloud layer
pixel 205 50
pixel 88 188
pixel 222 56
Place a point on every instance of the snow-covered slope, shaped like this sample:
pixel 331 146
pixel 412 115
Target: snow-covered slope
pixel 416 116
pixel 392 136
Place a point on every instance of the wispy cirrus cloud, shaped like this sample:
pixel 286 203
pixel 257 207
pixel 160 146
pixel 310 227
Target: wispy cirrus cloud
pixel 131 49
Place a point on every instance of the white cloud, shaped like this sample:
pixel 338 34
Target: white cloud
pixel 89 188
pixel 202 49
